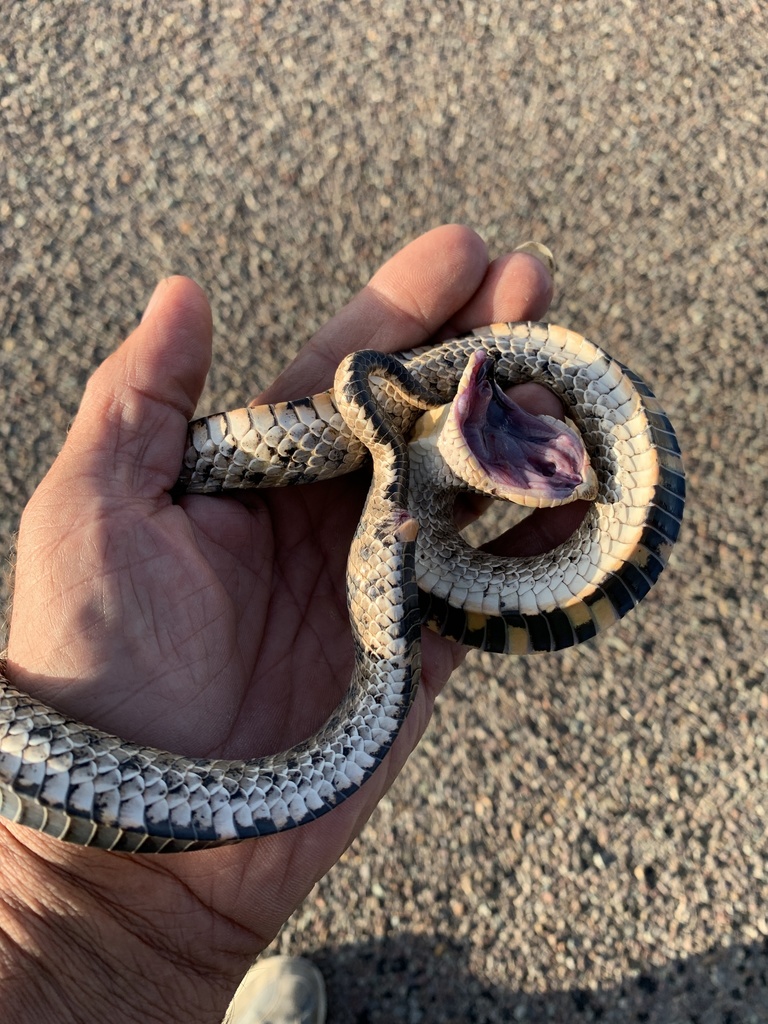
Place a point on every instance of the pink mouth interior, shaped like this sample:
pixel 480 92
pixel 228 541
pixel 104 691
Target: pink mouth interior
pixel 518 451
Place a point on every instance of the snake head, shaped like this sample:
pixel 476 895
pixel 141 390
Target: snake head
pixel 498 448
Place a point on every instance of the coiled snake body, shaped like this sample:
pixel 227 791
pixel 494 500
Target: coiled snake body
pixel 85 786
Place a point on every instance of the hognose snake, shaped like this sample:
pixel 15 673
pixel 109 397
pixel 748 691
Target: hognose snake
pixel 82 785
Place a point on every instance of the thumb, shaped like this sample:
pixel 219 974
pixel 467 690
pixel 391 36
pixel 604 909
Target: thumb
pixel 128 436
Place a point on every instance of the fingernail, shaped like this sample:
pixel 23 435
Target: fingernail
pixel 152 301
pixel 542 254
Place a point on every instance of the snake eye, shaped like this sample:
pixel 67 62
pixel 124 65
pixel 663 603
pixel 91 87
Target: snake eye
pixel 510 453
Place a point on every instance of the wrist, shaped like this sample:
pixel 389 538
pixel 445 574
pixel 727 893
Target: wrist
pixel 69 954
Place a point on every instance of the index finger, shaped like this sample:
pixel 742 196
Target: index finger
pixel 406 302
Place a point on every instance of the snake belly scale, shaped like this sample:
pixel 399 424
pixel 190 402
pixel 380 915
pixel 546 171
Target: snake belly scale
pixel 82 785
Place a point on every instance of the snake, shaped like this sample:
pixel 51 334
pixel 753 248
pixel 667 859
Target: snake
pixel 434 422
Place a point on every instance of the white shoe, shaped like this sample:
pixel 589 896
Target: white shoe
pixel 279 990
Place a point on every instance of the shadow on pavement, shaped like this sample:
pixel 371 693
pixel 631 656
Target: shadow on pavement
pixel 428 980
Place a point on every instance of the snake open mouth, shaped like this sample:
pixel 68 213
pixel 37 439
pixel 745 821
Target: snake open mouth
pixel 533 460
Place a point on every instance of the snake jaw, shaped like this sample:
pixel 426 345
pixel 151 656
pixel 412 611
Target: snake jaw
pixel 498 448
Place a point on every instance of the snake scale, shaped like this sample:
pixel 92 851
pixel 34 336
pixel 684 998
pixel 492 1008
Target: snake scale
pixel 435 421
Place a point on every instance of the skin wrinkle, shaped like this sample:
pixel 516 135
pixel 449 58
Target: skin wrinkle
pixel 412 288
pixel 279 705
pixel 227 745
pixel 44 977
pixel 201 705
pixel 131 392
pixel 376 337
pixel 288 868
pixel 419 320
pixel 331 558
pixel 224 747
pixel 139 596
pixel 292 706
pixel 133 921
pixel 32 914
pixel 140 925
pixel 319 353
pixel 58 565
pixel 137 602
pixel 232 591
pixel 124 426
pixel 501 294
pixel 143 393
pixel 68 593
pixel 184 642
pixel 286 708
pixel 143 358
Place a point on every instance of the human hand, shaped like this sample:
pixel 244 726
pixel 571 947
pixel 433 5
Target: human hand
pixel 212 627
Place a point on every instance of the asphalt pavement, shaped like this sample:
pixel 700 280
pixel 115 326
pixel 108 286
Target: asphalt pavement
pixel 581 836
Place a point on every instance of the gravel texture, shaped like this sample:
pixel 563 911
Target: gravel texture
pixel 580 837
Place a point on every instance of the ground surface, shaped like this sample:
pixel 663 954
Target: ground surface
pixel 580 837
